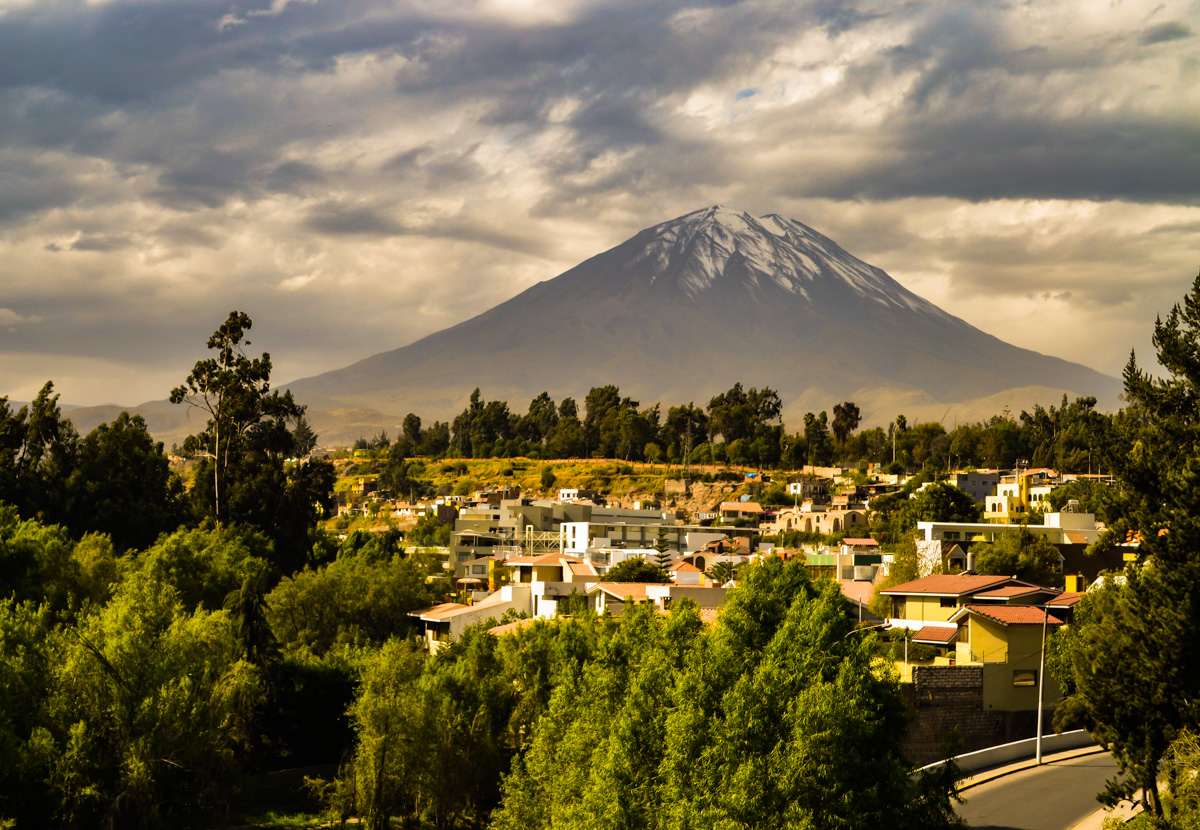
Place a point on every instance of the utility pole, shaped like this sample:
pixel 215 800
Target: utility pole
pixel 1041 682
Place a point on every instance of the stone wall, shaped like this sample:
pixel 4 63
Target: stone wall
pixel 949 698
pixel 946 698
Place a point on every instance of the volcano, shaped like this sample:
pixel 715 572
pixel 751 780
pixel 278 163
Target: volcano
pixel 688 307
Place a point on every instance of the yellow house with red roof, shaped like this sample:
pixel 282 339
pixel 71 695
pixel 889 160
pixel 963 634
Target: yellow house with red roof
pixel 935 599
pixel 1006 640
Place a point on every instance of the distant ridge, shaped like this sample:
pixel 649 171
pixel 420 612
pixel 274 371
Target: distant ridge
pixel 684 309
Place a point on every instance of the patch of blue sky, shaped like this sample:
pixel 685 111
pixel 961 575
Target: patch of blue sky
pixel 746 93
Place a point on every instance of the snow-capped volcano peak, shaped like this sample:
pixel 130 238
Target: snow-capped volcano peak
pixel 686 308
pixel 718 245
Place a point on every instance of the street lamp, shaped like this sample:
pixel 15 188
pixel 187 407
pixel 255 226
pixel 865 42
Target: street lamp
pixel 1042 682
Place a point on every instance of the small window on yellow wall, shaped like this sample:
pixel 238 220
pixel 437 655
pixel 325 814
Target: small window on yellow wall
pixel 1025 677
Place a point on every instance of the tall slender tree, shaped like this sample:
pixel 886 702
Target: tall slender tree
pixel 233 389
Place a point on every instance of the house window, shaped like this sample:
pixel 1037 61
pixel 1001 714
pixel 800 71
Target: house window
pixel 1025 677
pixel 949 602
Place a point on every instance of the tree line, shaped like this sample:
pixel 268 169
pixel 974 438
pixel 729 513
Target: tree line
pixel 743 427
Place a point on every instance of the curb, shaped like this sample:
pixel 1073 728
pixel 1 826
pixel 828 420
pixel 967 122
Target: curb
pixel 992 775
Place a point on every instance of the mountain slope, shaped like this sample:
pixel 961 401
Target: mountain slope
pixel 686 308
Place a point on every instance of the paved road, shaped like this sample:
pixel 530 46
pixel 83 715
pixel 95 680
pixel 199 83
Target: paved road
pixel 1055 796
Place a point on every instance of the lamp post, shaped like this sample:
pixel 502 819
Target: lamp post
pixel 1041 682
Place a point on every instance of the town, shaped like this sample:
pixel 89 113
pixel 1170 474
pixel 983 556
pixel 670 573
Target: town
pixel 514 556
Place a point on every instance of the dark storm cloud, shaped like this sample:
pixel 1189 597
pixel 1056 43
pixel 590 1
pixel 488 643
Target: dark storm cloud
pixel 296 177
pixel 993 157
pixel 353 220
pixel 1164 32
pixel 29 187
pixel 957 132
pixel 206 178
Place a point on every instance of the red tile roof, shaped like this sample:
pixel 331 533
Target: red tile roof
pixel 1010 614
pixel 1009 591
pixel 953 585
pixel 936 634
pixel 860 542
pixel 1067 599
pixel 741 506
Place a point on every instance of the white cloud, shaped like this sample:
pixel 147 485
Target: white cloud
pixel 10 318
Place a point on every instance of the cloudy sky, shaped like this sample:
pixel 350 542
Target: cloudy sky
pixel 356 174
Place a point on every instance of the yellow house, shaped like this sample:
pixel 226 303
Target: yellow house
pixel 1006 640
pixel 938 597
pixel 1019 496
pixel 489 570
pixel 551 567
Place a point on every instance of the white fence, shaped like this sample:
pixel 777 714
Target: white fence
pixel 1006 753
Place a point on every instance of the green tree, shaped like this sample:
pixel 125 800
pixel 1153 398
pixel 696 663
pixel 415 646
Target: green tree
pixel 636 570
pixel 565 439
pixel 247 607
pixel 722 572
pixel 411 430
pixel 429 531
pixel 741 414
pixel 539 420
pixel 360 599
pixel 27 653
pixel 1020 553
pixel 1137 665
pixel 234 391
pixel 662 556
pixel 122 485
pixel 935 502
pixel 303 436
pixel 905 567
pixel 672 726
pixel 386 717
pixel 149 709
pixel 203 565
pixel 245 444
pixel 816 439
pixel 37 454
pixel 846 419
